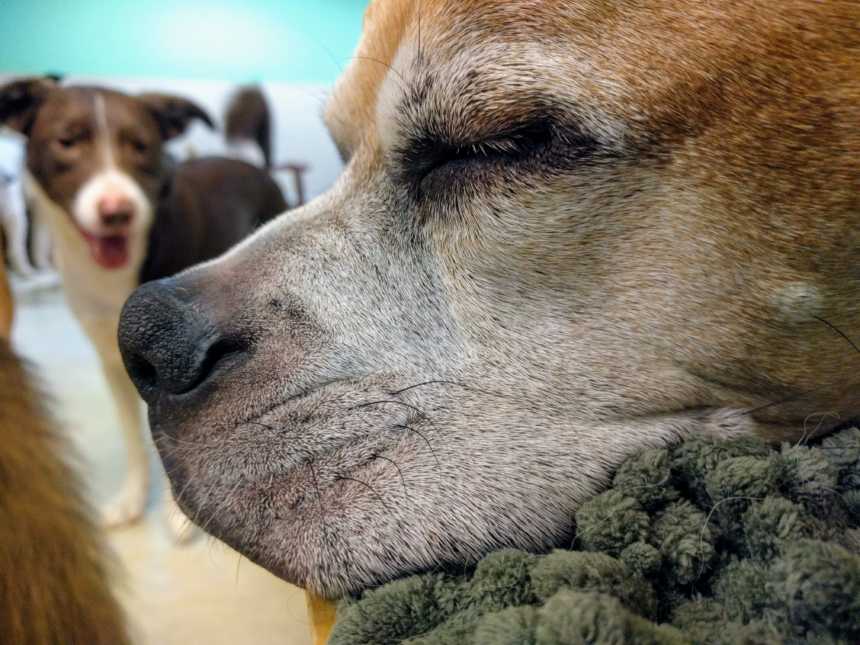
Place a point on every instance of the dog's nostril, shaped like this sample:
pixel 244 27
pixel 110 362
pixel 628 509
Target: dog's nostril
pixel 218 352
pixel 142 372
pixel 116 219
pixel 168 342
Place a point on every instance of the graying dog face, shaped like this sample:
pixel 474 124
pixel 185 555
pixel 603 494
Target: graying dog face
pixel 525 273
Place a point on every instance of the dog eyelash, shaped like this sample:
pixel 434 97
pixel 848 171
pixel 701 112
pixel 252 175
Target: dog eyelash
pixel 428 154
pixel 506 146
pixel 529 142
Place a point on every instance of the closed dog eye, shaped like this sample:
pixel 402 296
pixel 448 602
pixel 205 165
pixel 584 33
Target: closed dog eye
pixel 428 162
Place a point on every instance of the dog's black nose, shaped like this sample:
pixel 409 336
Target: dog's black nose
pixel 168 342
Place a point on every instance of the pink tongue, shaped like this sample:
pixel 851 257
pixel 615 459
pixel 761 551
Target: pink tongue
pixel 109 252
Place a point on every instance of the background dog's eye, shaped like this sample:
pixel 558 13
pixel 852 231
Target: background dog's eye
pixel 139 146
pixel 68 142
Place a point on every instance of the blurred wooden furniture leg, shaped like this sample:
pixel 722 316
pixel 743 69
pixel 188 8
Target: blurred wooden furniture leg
pixel 322 614
pixel 6 306
pixel 297 171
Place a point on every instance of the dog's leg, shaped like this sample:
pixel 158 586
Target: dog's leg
pixel 42 246
pixel 131 501
pixel 15 223
pixel 178 524
pixel 41 243
pixel 129 504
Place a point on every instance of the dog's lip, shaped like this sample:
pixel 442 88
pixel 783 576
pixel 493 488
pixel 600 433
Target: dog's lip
pixel 292 399
pixel 198 396
pixel 261 417
pixel 284 479
pixel 217 380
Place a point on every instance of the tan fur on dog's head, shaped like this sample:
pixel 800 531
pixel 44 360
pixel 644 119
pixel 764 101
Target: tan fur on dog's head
pixel 567 231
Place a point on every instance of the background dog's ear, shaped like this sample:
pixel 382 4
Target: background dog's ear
pixel 20 101
pixel 174 113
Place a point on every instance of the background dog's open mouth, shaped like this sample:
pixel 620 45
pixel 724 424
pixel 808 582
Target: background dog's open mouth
pixel 109 251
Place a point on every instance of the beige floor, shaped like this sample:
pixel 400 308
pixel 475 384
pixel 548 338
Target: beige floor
pixel 201 593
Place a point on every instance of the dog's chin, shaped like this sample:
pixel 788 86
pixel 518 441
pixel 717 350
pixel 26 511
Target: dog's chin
pixel 339 538
pixel 293 488
pixel 108 251
pixel 323 536
pixel 299 520
pixel 337 498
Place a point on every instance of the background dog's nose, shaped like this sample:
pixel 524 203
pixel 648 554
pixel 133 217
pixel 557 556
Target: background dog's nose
pixel 115 210
pixel 168 345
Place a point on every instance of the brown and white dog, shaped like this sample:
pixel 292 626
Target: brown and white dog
pixel 567 231
pixel 121 214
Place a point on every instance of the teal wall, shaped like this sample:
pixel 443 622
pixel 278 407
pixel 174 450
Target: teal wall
pixel 290 41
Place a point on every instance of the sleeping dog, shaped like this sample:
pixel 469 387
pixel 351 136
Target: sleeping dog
pixel 567 231
pixel 121 213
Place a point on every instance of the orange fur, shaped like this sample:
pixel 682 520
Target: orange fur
pixel 741 107
pixel 54 582
pixel 6 303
